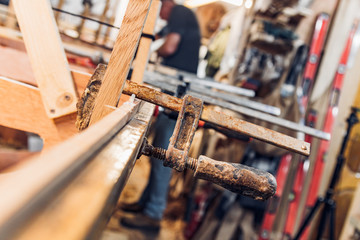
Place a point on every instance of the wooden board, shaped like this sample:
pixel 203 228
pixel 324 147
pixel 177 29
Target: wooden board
pixel 10 20
pixel 12 157
pixel 47 56
pixel 25 191
pixel 121 58
pixel 354 214
pixel 99 185
pixel 29 115
pixel 10 60
pixel 143 54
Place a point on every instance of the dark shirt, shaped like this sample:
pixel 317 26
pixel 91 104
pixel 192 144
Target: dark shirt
pixel 183 21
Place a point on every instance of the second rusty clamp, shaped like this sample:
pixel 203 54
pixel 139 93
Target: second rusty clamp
pixel 238 178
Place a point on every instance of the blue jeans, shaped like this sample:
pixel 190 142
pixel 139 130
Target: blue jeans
pixel 154 197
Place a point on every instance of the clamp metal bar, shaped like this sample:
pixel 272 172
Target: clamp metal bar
pixel 173 103
pixel 248 112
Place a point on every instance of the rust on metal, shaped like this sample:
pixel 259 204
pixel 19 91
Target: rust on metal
pixel 221 119
pixel 237 178
pixel 153 96
pixel 184 131
pixel 256 131
pixel 148 94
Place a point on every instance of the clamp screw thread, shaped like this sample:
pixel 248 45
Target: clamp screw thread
pixel 192 163
pixel 160 153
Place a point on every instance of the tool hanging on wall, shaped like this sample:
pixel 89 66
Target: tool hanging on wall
pixel 312 61
pixel 295 194
pixel 328 200
pixel 236 177
pixel 273 204
pixel 350 47
pixel 314 58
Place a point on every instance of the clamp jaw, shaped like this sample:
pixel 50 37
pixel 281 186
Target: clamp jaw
pixel 235 177
pixel 238 178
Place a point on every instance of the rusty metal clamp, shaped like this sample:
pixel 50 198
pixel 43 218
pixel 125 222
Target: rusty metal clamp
pixel 185 128
pixel 238 178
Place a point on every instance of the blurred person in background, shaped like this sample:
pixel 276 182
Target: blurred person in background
pixel 180 50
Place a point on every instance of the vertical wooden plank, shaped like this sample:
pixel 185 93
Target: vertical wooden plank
pixel 47 56
pixel 121 57
pixel 143 54
pixel 59 6
pixel 354 212
pixel 10 20
pixel 102 19
pixel 85 13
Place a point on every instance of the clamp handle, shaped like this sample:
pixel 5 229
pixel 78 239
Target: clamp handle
pixel 237 178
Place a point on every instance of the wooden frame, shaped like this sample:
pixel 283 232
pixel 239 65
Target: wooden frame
pixel 58 129
pixel 47 56
pixel 90 167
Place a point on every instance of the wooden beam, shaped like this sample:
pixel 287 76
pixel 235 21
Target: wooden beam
pixel 29 114
pixel 47 56
pixel 102 19
pixel 99 185
pixel 22 108
pixel 10 19
pixel 59 6
pixel 11 157
pixel 25 192
pixel 143 54
pixel 353 216
pixel 121 58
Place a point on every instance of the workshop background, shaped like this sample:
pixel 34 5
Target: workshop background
pixel 299 61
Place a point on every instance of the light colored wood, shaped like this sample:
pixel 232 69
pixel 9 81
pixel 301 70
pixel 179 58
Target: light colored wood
pixel 307 25
pixel 29 113
pixel 47 56
pixel 348 229
pixel 98 185
pixel 12 157
pixel 10 60
pixel 24 191
pixel 22 108
pixel 121 58
pixel 59 6
pixel 102 19
pixel 242 43
pixel 143 54
pixel 10 19
pixel 85 13
pixel 11 38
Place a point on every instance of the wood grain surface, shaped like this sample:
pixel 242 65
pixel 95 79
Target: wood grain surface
pixel 98 185
pixel 25 191
pixel 121 57
pixel 22 108
pixel 47 56
pixel 143 54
